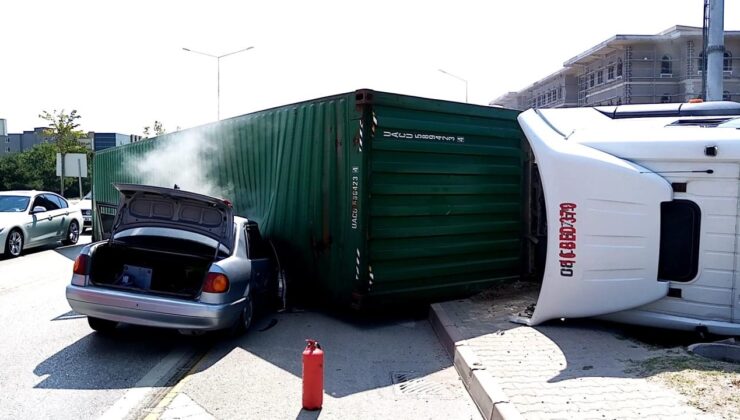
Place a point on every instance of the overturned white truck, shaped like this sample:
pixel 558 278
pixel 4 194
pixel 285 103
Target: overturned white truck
pixel 641 210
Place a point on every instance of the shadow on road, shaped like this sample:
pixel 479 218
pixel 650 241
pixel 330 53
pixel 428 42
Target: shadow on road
pixel 68 316
pixel 361 354
pixel 68 251
pixel 308 415
pixel 117 361
pixel 72 251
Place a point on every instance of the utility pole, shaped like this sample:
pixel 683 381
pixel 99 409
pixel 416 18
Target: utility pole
pixel 715 52
pixel 218 74
pixel 460 79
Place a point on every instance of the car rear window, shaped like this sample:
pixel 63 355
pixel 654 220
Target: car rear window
pixel 62 203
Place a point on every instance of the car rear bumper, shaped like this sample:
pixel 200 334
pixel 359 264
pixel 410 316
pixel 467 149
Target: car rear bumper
pixel 152 311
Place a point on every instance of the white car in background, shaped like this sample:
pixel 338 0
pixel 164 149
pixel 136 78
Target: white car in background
pixel 85 206
pixel 34 218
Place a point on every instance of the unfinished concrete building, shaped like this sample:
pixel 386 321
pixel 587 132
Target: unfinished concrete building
pixel 632 69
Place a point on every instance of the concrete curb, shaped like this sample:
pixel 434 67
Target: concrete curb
pixel 491 400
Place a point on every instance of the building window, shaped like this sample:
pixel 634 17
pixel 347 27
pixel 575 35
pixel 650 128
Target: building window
pixel 610 73
pixel 727 62
pixel 726 96
pixel 7 149
pixel 619 68
pixel 666 67
pixel 7 139
pixel 591 79
pixel 559 91
pixel 600 77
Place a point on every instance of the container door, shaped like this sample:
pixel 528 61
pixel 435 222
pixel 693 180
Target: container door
pixel 446 199
pixel 603 234
pixel 103 217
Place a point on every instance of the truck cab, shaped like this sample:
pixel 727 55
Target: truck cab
pixel 639 208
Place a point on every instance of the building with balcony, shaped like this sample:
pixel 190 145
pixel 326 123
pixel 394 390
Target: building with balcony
pixel 632 69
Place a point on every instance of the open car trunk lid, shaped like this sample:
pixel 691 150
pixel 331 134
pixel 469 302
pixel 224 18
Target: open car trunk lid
pixel 603 227
pixel 148 206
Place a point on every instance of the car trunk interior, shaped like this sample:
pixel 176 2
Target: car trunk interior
pixel 169 272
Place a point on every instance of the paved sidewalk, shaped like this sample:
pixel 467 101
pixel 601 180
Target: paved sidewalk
pixel 555 371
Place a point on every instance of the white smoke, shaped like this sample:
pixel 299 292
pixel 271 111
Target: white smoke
pixel 187 160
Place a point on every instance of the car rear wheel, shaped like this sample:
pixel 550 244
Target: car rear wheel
pixel 14 243
pixel 245 318
pixel 101 325
pixel 73 234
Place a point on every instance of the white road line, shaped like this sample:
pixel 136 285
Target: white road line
pixel 155 378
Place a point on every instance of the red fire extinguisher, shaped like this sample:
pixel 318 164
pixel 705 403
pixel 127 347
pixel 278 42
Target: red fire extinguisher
pixel 313 375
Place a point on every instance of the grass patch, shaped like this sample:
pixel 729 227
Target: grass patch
pixel 709 385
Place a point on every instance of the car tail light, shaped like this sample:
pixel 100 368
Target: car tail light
pixel 216 283
pixel 81 264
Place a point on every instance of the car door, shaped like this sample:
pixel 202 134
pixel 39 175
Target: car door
pixel 40 227
pixel 258 252
pixel 603 227
pixel 60 218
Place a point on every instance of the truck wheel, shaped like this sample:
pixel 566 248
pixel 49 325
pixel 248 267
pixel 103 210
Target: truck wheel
pixel 245 318
pixel 14 243
pixel 101 325
pixel 73 234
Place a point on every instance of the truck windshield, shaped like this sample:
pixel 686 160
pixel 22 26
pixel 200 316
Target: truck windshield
pixel 13 203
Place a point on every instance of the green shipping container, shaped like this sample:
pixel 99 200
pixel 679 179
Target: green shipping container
pixel 368 196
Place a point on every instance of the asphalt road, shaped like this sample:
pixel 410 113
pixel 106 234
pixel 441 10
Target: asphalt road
pixel 55 367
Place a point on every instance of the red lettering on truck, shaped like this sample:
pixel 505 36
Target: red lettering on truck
pixel 567 238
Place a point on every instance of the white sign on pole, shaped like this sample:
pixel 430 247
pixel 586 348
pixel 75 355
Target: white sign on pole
pixel 75 165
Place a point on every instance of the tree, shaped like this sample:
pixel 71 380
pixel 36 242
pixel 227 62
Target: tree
pixel 63 129
pixel 36 169
pixel 64 134
pixel 158 129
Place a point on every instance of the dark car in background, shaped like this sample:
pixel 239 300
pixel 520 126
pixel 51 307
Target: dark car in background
pixel 175 259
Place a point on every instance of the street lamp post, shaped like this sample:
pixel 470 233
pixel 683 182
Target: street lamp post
pixel 218 73
pixel 460 79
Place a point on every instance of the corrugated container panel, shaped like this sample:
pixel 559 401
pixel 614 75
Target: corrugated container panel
pixel 278 167
pixel 348 199
pixel 446 207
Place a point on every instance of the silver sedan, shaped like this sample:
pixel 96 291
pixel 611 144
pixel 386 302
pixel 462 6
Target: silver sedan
pixel 34 218
pixel 175 259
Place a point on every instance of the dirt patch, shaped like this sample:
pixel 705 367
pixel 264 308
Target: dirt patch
pixel 711 386
pixel 519 289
